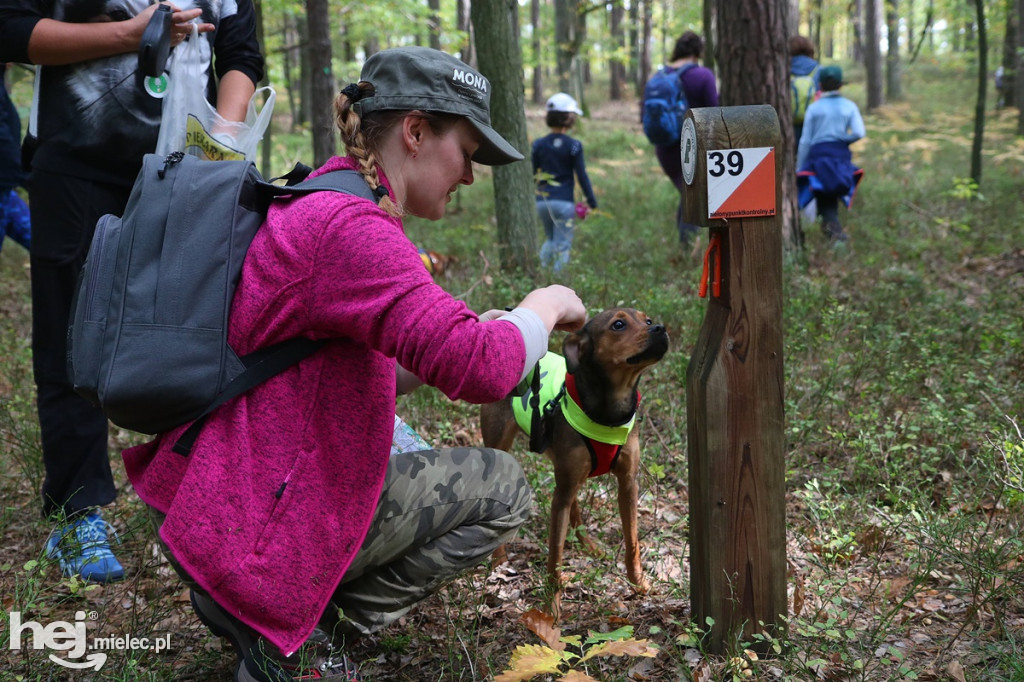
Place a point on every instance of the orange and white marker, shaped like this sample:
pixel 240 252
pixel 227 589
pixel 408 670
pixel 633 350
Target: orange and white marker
pixel 741 183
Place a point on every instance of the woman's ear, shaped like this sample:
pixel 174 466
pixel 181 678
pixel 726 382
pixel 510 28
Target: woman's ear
pixel 413 128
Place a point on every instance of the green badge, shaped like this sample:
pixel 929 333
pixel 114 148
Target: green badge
pixel 156 86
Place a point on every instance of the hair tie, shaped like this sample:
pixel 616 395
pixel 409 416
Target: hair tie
pixel 353 92
pixel 380 191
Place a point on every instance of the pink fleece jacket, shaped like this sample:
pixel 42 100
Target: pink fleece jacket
pixel 275 499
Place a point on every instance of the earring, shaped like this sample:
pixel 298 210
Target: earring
pixel 414 155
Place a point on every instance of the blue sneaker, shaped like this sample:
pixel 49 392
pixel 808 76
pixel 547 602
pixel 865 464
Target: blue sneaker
pixel 81 547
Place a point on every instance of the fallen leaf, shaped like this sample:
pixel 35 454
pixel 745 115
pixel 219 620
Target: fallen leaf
pixel 956 671
pixel 622 647
pixel 529 661
pixel 543 625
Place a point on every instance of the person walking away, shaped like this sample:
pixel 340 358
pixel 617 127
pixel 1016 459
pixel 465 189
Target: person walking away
pixel 698 85
pixel 825 169
pixel 97 117
pixel 803 80
pixel 14 214
pixel 291 521
pixel 557 158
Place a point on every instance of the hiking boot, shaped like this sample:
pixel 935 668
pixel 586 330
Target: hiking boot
pixel 222 623
pixel 81 548
pixel 318 659
pixel 834 231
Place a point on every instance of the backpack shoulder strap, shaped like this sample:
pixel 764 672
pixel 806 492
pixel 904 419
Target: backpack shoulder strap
pixel 345 181
pixel 260 365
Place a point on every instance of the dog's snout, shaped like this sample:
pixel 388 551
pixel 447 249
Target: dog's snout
pixel 656 329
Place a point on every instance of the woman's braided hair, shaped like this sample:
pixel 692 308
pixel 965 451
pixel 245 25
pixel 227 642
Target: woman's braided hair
pixel 362 135
pixel 360 138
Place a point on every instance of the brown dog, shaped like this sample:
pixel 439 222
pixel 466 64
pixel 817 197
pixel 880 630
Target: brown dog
pixel 603 361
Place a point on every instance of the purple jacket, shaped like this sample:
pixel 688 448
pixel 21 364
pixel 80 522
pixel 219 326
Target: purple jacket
pixel 276 497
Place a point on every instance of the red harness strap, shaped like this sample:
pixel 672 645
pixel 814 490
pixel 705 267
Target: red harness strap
pixel 602 455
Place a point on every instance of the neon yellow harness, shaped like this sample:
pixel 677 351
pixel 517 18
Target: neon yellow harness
pixel 558 389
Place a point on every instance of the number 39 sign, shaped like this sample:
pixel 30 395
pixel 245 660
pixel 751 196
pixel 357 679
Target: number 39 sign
pixel 741 183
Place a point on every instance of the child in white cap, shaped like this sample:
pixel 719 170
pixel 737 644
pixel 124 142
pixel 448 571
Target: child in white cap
pixel 556 157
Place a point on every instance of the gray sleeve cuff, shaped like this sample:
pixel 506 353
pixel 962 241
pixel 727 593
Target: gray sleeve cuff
pixel 535 335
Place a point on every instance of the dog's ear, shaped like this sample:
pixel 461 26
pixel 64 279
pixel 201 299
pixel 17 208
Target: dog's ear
pixel 574 348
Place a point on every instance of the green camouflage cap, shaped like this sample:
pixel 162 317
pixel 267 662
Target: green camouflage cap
pixel 406 78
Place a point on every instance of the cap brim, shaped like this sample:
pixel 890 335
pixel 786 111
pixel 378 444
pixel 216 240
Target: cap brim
pixel 494 150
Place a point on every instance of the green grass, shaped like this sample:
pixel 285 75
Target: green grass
pixel 904 360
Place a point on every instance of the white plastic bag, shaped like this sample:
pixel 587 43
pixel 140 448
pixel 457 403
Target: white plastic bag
pixel 190 124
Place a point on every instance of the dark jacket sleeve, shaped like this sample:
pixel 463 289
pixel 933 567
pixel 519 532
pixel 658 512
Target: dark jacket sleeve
pixel 235 47
pixel 17 20
pixel 580 167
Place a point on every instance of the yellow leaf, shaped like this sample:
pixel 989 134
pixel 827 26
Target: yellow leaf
pixel 622 647
pixel 528 661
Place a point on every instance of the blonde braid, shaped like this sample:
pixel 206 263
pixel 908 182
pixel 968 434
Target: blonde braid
pixel 350 126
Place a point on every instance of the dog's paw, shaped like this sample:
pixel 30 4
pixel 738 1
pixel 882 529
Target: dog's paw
pixel 640 586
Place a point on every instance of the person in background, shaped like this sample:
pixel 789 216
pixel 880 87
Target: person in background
pixel 825 168
pixel 298 521
pixel 557 157
pixel 14 214
pixel 803 79
pixel 698 84
pixel 97 118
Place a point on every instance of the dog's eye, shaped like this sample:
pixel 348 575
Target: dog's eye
pixel 618 325
pixel 649 323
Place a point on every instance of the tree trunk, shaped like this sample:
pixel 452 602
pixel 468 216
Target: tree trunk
pixel 1007 94
pixel 565 24
pixel 710 31
pixel 819 16
pixel 434 23
pixel 893 66
pixel 538 58
pixel 305 70
pixel 749 30
pixel 645 46
pixel 873 53
pixel 634 46
pixel 322 81
pixel 1019 91
pixel 463 23
pixel 979 108
pixel 501 61
pixel 289 73
pixel 616 69
pixel 857 25
pixel 926 32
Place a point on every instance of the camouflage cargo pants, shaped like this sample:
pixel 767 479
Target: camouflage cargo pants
pixel 440 513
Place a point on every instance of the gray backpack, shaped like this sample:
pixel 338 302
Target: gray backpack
pixel 147 340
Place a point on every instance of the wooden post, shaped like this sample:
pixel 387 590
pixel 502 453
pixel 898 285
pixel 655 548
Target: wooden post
pixel 734 395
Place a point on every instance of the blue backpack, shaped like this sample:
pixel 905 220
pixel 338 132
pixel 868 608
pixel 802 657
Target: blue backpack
pixel 664 106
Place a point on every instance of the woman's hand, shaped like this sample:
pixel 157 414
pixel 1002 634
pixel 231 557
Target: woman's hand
pixel 558 307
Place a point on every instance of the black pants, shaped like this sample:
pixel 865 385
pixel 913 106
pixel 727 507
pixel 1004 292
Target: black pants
pixel 74 432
